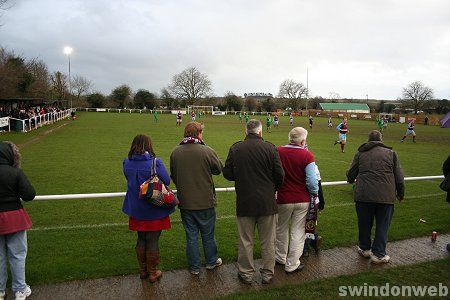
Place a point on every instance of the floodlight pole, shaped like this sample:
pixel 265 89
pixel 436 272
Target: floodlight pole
pixel 307 90
pixel 68 51
pixel 70 84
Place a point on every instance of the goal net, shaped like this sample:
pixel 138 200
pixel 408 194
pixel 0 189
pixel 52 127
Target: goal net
pixel 200 109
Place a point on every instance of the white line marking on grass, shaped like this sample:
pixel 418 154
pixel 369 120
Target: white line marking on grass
pixel 424 196
pixel 406 199
pixel 225 217
pixel 90 226
pixel 336 160
pixel 77 226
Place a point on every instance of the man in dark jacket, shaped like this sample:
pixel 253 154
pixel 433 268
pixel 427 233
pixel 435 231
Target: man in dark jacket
pixel 379 181
pixel 255 167
pixel 192 165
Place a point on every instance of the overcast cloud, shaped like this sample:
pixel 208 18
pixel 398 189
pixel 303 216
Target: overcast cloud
pixel 351 47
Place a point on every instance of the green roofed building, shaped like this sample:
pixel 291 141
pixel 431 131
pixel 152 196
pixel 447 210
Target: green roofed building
pixel 361 108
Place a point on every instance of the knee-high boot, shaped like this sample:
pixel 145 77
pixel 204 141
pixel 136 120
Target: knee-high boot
pixel 142 260
pixel 152 262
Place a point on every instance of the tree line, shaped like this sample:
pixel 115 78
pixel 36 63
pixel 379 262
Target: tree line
pixel 30 78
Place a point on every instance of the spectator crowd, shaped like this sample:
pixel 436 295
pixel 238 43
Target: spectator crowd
pixel 278 193
pixel 24 111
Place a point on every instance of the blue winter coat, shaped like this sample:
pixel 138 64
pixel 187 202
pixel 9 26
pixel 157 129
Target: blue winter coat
pixel 136 171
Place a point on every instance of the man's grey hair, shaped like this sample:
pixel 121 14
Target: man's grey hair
pixel 375 135
pixel 254 126
pixel 297 135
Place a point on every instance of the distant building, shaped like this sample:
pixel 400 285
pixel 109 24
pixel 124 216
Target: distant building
pixel 258 96
pixel 361 108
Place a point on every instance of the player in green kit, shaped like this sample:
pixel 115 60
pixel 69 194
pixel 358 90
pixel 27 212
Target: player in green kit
pixel 155 116
pixel 269 122
pixel 380 124
pixel 247 118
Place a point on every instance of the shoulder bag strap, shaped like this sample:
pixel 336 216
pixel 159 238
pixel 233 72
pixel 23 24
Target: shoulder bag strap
pixel 153 174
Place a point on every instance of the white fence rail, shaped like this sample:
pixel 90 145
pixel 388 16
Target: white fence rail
pixel 38 121
pixel 218 190
pixel 4 124
pixel 169 111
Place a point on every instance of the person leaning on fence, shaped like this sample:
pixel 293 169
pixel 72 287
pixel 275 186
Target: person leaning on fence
pixel 379 181
pixel 14 220
pixel 294 197
pixel 192 165
pixel 445 185
pixel 254 165
pixel 145 218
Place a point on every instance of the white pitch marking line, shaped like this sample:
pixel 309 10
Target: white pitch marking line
pixel 225 217
pixel 336 160
pixel 108 225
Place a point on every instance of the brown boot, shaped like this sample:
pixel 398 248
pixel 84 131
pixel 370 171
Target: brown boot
pixel 142 259
pixel 152 262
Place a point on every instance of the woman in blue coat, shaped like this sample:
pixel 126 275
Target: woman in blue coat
pixel 145 218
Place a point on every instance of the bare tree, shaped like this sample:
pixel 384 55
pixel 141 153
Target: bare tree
pixel 415 95
pixel 4 5
pixel 190 85
pixel 334 96
pixel 41 83
pixel 59 85
pixel 294 91
pixel 81 85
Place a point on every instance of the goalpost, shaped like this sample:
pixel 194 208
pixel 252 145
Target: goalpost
pixel 204 109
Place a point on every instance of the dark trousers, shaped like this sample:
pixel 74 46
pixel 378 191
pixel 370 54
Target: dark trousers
pixel 382 213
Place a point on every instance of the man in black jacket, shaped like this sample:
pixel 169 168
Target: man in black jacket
pixel 255 167
pixel 379 182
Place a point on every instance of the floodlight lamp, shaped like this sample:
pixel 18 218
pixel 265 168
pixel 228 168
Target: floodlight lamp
pixel 68 50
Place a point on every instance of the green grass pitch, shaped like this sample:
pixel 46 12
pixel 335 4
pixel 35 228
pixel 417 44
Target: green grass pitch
pixel 89 238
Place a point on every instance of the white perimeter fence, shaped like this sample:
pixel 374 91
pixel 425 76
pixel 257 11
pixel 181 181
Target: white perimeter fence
pixel 218 190
pixel 172 111
pixel 37 121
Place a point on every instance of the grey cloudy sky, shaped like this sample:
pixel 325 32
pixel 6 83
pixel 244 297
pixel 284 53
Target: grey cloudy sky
pixel 351 47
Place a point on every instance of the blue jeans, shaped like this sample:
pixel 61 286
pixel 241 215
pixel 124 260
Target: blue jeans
pixel 382 213
pixel 203 221
pixel 14 247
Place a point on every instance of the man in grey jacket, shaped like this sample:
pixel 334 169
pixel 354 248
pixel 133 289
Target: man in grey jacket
pixel 379 181
pixel 192 165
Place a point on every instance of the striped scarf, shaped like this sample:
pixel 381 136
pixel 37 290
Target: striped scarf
pixel 191 140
